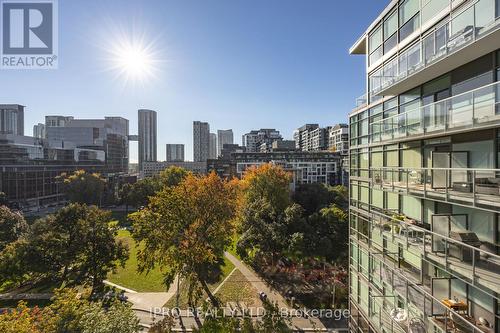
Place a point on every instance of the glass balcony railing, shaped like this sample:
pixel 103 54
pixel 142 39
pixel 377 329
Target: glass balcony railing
pixel 474 265
pixel 471 187
pixel 463 29
pixel 406 305
pixel 475 108
pixel 361 101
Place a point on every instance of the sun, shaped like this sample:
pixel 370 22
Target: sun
pixel 132 60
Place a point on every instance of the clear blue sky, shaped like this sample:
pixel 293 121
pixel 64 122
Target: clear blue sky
pixel 236 64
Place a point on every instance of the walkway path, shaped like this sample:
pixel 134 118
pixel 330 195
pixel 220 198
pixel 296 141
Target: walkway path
pixel 257 282
pixel 272 295
pixel 147 301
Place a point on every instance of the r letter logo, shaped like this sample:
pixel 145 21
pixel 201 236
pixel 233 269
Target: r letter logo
pixel 29 34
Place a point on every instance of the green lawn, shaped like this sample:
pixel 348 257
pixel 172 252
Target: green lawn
pixel 183 297
pixel 121 217
pixel 129 277
pixel 239 290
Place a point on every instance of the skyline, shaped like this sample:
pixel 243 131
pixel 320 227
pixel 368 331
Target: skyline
pixel 251 72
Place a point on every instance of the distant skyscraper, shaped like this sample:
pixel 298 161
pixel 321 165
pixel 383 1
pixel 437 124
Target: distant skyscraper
pixel 147 136
pixel 175 152
pixel 12 119
pixel 224 137
pixel 212 146
pixel 201 139
pixel 39 131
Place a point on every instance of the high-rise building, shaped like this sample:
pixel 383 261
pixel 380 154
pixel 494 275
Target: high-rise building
pixel 147 136
pixel 12 119
pixel 212 146
pixel 109 135
pixel 201 141
pixel 224 137
pixel 175 152
pixel 311 137
pixel 39 131
pixel 253 140
pixel 425 170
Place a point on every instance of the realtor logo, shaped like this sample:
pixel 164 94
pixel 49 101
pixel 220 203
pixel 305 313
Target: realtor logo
pixel 29 34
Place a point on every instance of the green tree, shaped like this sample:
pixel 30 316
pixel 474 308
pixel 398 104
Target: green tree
pixel 173 176
pixel 14 268
pixel 77 244
pixel 124 195
pixel 314 197
pixel 118 317
pixel 3 199
pixel 83 187
pixel 142 190
pixel 185 230
pixel 12 226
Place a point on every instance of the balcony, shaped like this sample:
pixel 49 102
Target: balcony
pixel 480 269
pixel 427 310
pixel 475 109
pixel 465 186
pixel 361 102
pixel 460 40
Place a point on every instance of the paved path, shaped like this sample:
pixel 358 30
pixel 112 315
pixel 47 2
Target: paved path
pixel 147 301
pixel 257 282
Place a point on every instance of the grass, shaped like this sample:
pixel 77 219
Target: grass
pixel 232 248
pixel 183 296
pixel 238 289
pixel 121 217
pixel 129 277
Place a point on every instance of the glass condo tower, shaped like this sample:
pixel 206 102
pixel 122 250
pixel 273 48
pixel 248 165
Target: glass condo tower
pixel 425 170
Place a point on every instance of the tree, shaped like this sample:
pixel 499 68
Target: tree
pixel 83 187
pixel 173 176
pixel 3 199
pixel 142 190
pixel 262 217
pixel 13 264
pixel 269 183
pixel 70 312
pixel 77 244
pixel 124 195
pixel 185 230
pixel 12 226
pixel 313 197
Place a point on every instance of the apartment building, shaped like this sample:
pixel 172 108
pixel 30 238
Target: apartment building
pixel 311 137
pixel 201 141
pixel 253 140
pixel 175 152
pixel 425 170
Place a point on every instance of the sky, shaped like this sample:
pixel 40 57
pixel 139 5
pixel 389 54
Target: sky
pixel 239 64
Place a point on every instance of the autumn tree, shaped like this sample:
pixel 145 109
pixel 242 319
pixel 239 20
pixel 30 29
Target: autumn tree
pixel 261 215
pixel 70 311
pixel 185 230
pixel 83 187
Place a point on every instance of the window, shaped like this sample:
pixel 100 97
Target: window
pixel 484 14
pixel 431 7
pixel 409 27
pixel 407 10
pixel 375 45
pixel 390 31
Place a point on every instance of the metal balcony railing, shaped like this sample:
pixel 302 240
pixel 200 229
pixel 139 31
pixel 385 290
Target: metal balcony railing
pixel 473 109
